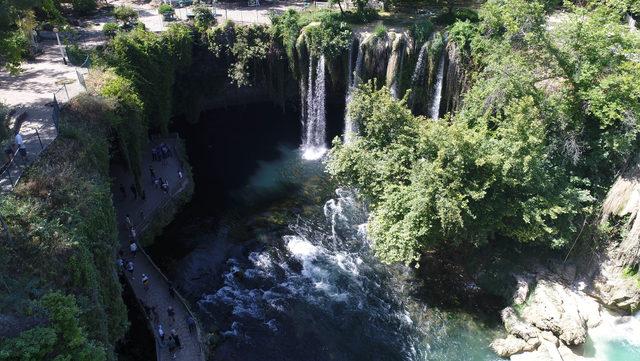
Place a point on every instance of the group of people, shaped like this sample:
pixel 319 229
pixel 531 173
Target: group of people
pixel 160 152
pixel 173 341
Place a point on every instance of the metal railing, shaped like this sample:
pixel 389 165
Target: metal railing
pixel 148 220
pixel 11 164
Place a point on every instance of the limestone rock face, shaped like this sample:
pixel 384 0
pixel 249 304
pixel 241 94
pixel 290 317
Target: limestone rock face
pixel 511 345
pixel 615 290
pixel 554 308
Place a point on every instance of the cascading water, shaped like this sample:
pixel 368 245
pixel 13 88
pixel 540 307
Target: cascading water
pixel 631 22
pixel 437 89
pixel 314 117
pixel 418 72
pixel 355 77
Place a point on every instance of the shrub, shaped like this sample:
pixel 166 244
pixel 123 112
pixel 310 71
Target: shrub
pixel 203 17
pixel 76 54
pixel 110 30
pixel 165 9
pixel 421 30
pixel 126 14
pixel 330 38
pixel 84 7
pixel 380 31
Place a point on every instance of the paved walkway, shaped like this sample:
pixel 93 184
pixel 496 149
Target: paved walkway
pixel 29 92
pixel 158 294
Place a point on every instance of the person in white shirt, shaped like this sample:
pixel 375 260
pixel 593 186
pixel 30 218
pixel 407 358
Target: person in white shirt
pixel 20 144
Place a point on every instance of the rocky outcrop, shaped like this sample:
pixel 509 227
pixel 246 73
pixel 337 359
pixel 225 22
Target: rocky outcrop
pixel 455 79
pixel 553 316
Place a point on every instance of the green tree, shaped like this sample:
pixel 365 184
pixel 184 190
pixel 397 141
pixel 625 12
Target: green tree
pixel 203 18
pixel 125 14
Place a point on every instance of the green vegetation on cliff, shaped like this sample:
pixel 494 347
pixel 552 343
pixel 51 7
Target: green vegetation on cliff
pixel 60 287
pixel 551 115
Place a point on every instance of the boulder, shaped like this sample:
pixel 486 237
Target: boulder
pixel 511 345
pixel 515 326
pixel 614 289
pixel 553 307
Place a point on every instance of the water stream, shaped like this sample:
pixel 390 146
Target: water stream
pixel 354 79
pixel 314 116
pixel 437 89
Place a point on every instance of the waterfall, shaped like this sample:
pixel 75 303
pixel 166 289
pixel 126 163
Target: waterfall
pixel 314 118
pixel 632 22
pixel 418 72
pixel 437 90
pixel 354 81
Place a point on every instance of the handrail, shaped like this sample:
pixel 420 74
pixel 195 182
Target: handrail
pixel 8 165
pixel 184 302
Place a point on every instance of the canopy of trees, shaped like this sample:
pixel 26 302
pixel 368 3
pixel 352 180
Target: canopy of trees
pixel 551 115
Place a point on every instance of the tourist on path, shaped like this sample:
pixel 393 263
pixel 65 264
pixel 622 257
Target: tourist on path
pixel 191 323
pixel 123 191
pixel 145 282
pixel 130 268
pixel 180 175
pixel 134 191
pixel 176 339
pixel 172 314
pixel 127 219
pixel 21 147
pixel 133 247
pixel 161 333
pixel 153 172
pixel 132 233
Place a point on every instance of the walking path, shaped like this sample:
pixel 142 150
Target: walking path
pixel 29 92
pixel 141 213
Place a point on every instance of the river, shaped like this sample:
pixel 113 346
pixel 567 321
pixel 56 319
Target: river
pixel 276 258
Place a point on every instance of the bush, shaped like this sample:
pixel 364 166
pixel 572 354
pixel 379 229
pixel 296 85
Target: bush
pixel 110 30
pixel 84 7
pixel 203 17
pixel 165 9
pixel 76 54
pixel 421 31
pixel 380 31
pixel 126 14
pixel 330 38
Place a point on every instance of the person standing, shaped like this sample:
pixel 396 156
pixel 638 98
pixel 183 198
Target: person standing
pixel 145 282
pixel 161 333
pixel 127 219
pixel 172 314
pixel 191 323
pixel 22 148
pixel 176 339
pixel 130 269
pixel 133 247
pixel 153 172
pixel 134 191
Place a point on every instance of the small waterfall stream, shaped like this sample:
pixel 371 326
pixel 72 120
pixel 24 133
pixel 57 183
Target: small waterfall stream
pixel 632 23
pixel 418 72
pixel 314 117
pixel 355 77
pixel 437 90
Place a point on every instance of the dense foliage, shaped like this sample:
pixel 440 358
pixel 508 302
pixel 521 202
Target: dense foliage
pixel 551 115
pixel 60 285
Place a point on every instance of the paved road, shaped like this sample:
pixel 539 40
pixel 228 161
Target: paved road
pixel 157 295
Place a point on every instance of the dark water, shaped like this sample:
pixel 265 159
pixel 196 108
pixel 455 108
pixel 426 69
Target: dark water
pixel 278 260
